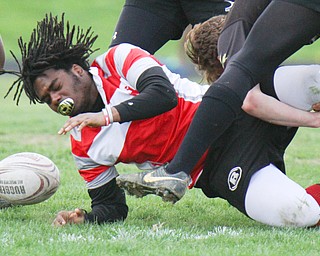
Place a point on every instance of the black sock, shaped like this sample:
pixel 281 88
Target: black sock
pixel 212 118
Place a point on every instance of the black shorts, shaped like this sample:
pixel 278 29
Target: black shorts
pixel 247 146
pixel 149 24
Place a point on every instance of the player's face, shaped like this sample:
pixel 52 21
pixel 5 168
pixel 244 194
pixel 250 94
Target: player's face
pixel 54 86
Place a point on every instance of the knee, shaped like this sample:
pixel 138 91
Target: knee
pixel 299 212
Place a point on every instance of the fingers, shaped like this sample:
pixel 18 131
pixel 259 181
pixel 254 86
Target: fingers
pixel 316 106
pixel 72 123
pixel 81 121
pixel 69 217
pixel 79 212
pixel 68 126
pixel 61 219
pixel 77 216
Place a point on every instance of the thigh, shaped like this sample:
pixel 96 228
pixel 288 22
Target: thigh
pixel 237 26
pixel 232 160
pixel 148 27
pixel 198 11
pixel 293 26
pixel 311 4
pixel 274 199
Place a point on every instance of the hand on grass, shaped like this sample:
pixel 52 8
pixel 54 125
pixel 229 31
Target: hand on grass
pixel 69 217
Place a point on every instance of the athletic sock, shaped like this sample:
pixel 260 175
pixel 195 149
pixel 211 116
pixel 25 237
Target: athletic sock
pixel 214 115
pixel 314 191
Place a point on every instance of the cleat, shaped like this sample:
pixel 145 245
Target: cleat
pixel 166 193
pixel 170 187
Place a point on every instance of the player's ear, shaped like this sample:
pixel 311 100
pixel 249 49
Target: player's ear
pixel 77 70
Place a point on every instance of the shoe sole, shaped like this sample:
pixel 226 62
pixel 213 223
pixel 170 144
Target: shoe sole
pixel 140 190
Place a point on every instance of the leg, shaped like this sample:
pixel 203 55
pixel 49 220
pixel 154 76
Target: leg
pixel 222 103
pixel 274 199
pixel 246 69
pixel 155 33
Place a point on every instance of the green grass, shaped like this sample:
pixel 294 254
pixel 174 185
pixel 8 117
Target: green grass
pixel 194 226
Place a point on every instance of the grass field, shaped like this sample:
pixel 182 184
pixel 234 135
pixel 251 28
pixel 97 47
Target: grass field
pixel 194 226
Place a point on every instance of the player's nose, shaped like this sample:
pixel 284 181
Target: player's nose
pixel 55 98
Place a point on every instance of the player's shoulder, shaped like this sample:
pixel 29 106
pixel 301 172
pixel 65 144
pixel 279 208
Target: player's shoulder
pixel 124 50
pixel 124 47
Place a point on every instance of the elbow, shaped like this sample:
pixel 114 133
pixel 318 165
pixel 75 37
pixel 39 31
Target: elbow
pixel 174 101
pixel 171 99
pixel 250 104
pixel 122 212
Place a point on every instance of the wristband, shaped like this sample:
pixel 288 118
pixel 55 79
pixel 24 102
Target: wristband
pixel 107 115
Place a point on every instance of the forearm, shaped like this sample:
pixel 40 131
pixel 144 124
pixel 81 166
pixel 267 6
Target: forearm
pixel 107 213
pixel 108 204
pixel 271 110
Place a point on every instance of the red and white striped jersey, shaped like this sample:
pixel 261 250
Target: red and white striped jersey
pixel 147 143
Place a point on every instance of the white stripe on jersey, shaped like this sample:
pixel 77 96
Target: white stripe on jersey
pixel 100 59
pixel 103 178
pixel 120 55
pixel 108 143
pixel 138 68
pixel 186 89
pixel 98 83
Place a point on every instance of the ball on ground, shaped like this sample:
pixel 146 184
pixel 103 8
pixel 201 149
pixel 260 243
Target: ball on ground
pixel 28 178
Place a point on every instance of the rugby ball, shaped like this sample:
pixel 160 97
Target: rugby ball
pixel 28 178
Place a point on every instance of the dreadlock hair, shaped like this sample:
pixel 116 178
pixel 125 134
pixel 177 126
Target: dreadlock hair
pixel 201 47
pixel 50 46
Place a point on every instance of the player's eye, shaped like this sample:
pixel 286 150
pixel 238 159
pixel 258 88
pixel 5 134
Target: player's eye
pixel 56 87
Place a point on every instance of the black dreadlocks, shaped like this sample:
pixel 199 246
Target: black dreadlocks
pixel 50 47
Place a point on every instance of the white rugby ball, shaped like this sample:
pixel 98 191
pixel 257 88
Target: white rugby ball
pixel 28 178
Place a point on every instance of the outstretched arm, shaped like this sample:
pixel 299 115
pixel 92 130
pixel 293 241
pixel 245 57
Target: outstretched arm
pixel 156 96
pixel 108 205
pixel 272 110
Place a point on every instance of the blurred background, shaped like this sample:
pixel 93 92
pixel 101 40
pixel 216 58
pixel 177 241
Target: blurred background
pixel 19 18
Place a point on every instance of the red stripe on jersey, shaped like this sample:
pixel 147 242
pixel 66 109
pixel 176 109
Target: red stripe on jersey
pixel 80 148
pixel 134 55
pixel 157 139
pixel 108 87
pixel 90 175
